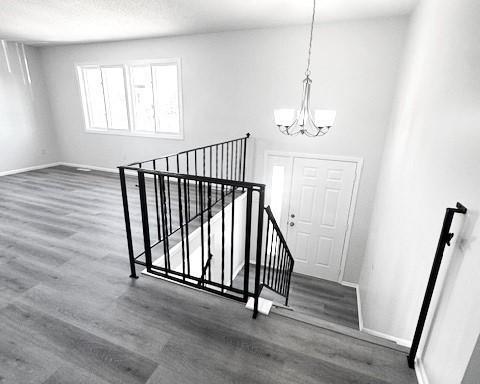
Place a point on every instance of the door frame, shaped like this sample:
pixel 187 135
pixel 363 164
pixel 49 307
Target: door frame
pixel 358 161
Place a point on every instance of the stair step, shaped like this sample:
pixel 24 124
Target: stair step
pixel 337 328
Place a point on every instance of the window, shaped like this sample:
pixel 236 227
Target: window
pixel 141 98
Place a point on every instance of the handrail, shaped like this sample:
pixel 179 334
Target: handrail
pixel 205 179
pixel 277 270
pixel 138 164
pixel 445 237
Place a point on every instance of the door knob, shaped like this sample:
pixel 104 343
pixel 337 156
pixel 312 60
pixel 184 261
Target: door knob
pixel 292 224
pixel 292 215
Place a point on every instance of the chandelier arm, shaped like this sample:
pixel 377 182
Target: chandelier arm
pixel 311 119
pixel 295 122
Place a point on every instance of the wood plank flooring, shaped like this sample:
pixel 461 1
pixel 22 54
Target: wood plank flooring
pixel 70 314
pixel 312 298
pixel 323 299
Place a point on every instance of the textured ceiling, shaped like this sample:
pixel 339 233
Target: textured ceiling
pixel 66 21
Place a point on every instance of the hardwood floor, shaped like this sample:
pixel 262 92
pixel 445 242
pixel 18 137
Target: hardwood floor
pixel 323 299
pixel 312 298
pixel 70 314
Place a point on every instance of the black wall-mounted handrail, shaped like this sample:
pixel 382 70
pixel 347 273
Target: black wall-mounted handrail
pixel 445 237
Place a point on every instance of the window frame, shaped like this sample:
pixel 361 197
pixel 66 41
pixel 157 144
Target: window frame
pixel 126 66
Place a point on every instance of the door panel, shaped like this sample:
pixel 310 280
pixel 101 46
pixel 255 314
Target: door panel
pixel 320 198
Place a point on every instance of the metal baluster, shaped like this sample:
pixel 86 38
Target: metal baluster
pixel 290 268
pixel 202 236
pixel 169 199
pixel 221 163
pixel 245 157
pixel 156 200
pixel 216 170
pixel 196 185
pixel 277 258
pixel 188 193
pixel 258 258
pixel 266 250
pixel 236 159
pixel 163 210
pixel 185 194
pixel 209 197
pixel 204 159
pixel 145 226
pixel 128 229
pixel 231 164
pixel 223 234
pixel 226 165
pixel 284 269
pixel 248 235
pixel 232 236
pixel 181 226
pixel 269 280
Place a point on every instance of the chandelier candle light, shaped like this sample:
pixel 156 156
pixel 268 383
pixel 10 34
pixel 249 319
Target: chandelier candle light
pixel 292 122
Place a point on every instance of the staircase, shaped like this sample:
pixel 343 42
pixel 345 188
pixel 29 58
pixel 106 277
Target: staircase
pixel 191 217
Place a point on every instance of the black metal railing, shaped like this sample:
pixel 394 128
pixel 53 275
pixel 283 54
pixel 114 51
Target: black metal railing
pixel 224 160
pixel 443 241
pixel 193 223
pixel 278 261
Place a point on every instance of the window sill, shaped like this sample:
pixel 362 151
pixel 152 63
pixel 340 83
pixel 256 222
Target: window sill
pixel 137 134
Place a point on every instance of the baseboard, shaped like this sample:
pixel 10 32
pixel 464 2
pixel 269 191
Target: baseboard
pixel 32 168
pixel 73 165
pixel 93 167
pixel 399 341
pixel 359 302
pixel 422 377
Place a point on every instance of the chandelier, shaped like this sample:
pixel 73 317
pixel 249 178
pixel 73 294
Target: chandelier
pixel 291 122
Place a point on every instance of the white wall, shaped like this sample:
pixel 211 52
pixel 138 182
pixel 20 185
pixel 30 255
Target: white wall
pixel 231 84
pixel 472 374
pixel 26 134
pixel 431 161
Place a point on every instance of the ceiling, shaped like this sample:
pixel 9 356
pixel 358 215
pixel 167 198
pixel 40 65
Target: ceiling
pixel 74 21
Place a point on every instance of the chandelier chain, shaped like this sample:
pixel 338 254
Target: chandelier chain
pixel 307 72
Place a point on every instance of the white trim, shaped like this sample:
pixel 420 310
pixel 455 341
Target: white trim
pixel 399 341
pixel 119 132
pixel 358 161
pixel 32 168
pixel 359 302
pixel 351 214
pixel 420 371
pixel 5 52
pixel 126 66
pixel 320 156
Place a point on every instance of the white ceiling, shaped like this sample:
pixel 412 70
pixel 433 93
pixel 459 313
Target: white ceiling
pixel 66 21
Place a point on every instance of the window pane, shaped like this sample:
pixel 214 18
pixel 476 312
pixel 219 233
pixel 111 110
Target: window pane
pixel 276 197
pixel 114 88
pixel 142 96
pixel 165 83
pixel 94 98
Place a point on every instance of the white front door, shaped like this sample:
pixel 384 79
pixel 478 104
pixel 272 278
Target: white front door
pixel 320 200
